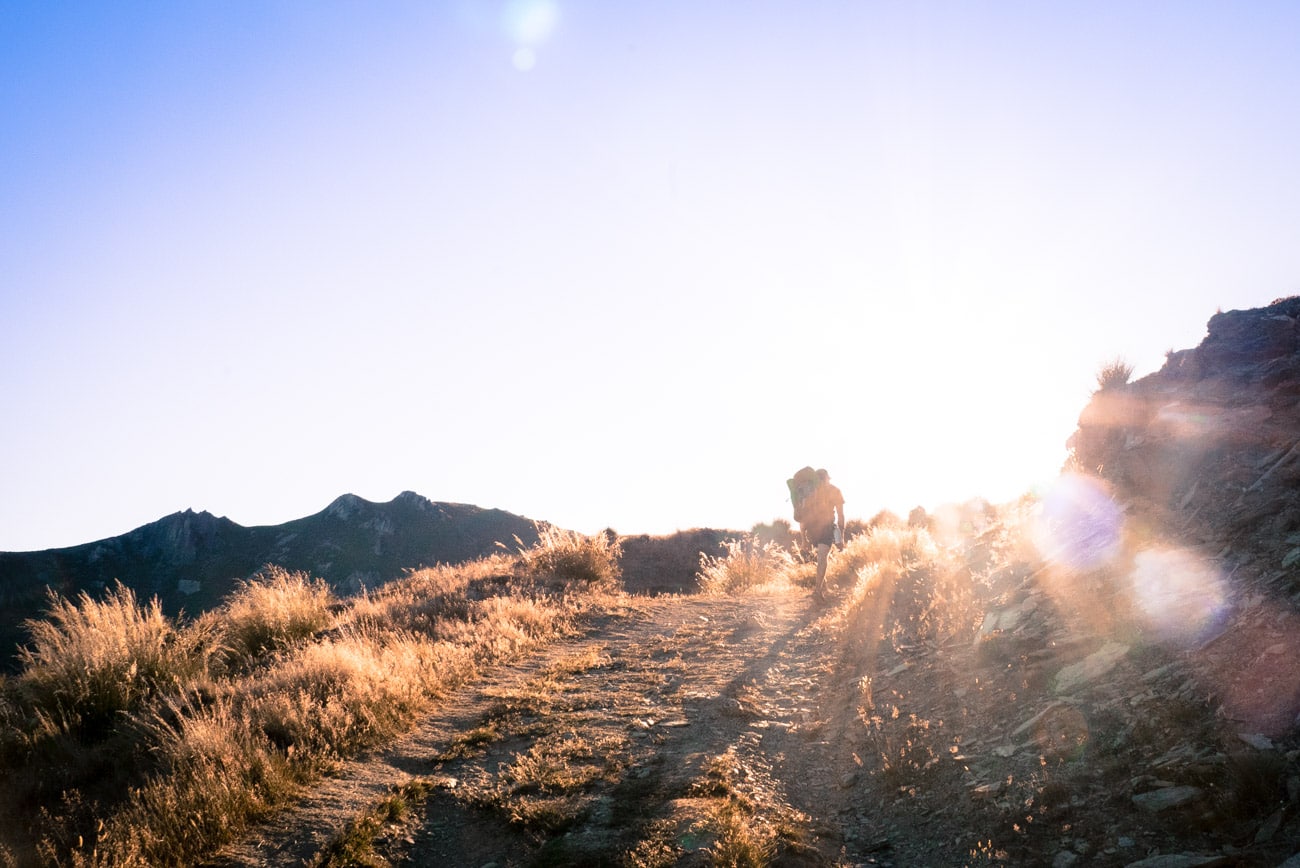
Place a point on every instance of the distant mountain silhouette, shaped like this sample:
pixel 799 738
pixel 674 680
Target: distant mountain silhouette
pixel 190 560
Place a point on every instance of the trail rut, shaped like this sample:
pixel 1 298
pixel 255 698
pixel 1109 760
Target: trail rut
pixel 663 694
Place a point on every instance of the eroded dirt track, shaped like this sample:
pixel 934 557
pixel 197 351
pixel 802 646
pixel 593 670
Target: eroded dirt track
pixel 622 741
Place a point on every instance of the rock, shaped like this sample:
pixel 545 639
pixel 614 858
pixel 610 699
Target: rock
pixel 1175 860
pixel 1164 799
pixel 1256 740
pixel 1028 724
pixel 1270 827
pixel 1090 668
pixel 1065 859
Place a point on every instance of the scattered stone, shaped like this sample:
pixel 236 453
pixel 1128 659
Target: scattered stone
pixel 1164 799
pixel 1158 672
pixel 1028 724
pixel 1256 740
pixel 1181 753
pixel 1176 860
pixel 1065 859
pixel 1090 668
pixel 1270 827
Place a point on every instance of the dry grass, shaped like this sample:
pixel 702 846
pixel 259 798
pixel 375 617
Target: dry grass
pixel 273 611
pixel 547 788
pixel 131 739
pixel 746 814
pixel 91 660
pixel 1113 374
pixel 570 557
pixel 746 565
pixel 354 847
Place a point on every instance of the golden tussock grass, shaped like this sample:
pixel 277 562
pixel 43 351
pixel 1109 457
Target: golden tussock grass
pixel 746 565
pixel 91 660
pixel 272 611
pixel 133 739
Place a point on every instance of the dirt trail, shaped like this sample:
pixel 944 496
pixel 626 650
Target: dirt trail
pixel 647 700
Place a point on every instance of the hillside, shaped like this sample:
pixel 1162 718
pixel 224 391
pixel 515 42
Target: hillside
pixel 1105 673
pixel 1207 449
pixel 191 560
pixel 1108 674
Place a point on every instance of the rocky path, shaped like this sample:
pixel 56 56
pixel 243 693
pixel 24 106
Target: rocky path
pixel 672 727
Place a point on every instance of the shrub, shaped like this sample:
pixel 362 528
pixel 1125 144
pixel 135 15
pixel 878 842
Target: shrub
pixel 274 610
pixel 1113 374
pixel 881 545
pixel 568 556
pixel 222 773
pixel 90 661
pixel 343 694
pixel 746 564
pixel 905 587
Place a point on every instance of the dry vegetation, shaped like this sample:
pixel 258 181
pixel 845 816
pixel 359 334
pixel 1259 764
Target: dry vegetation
pixel 592 761
pixel 129 738
pixel 739 727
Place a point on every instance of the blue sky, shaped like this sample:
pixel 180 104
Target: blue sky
pixel 622 265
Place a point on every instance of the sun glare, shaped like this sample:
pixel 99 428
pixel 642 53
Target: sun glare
pixel 530 22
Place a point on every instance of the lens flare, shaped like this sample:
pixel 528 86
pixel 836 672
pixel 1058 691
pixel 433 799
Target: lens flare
pixel 1180 596
pixel 530 22
pixel 1078 525
pixel 524 59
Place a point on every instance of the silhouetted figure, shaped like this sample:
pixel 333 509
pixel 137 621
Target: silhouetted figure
pixel 822 521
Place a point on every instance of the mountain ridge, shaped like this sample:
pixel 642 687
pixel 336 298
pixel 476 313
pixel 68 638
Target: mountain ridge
pixel 190 560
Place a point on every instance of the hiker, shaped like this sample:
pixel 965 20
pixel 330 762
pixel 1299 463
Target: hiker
pixel 821 517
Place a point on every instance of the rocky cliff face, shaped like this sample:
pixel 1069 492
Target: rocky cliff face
pixel 190 560
pixel 1208 447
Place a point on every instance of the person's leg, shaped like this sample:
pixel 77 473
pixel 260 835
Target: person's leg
pixel 823 554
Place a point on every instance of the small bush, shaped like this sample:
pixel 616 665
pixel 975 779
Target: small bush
pixel 90 661
pixel 568 556
pixel 883 544
pixel 1114 374
pixel 747 564
pixel 274 610
pixel 338 696
pixel 222 774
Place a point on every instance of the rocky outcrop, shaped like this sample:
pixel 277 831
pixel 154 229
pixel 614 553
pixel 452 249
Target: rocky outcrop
pixel 1208 447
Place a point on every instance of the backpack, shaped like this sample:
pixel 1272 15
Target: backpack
pixel 801 486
